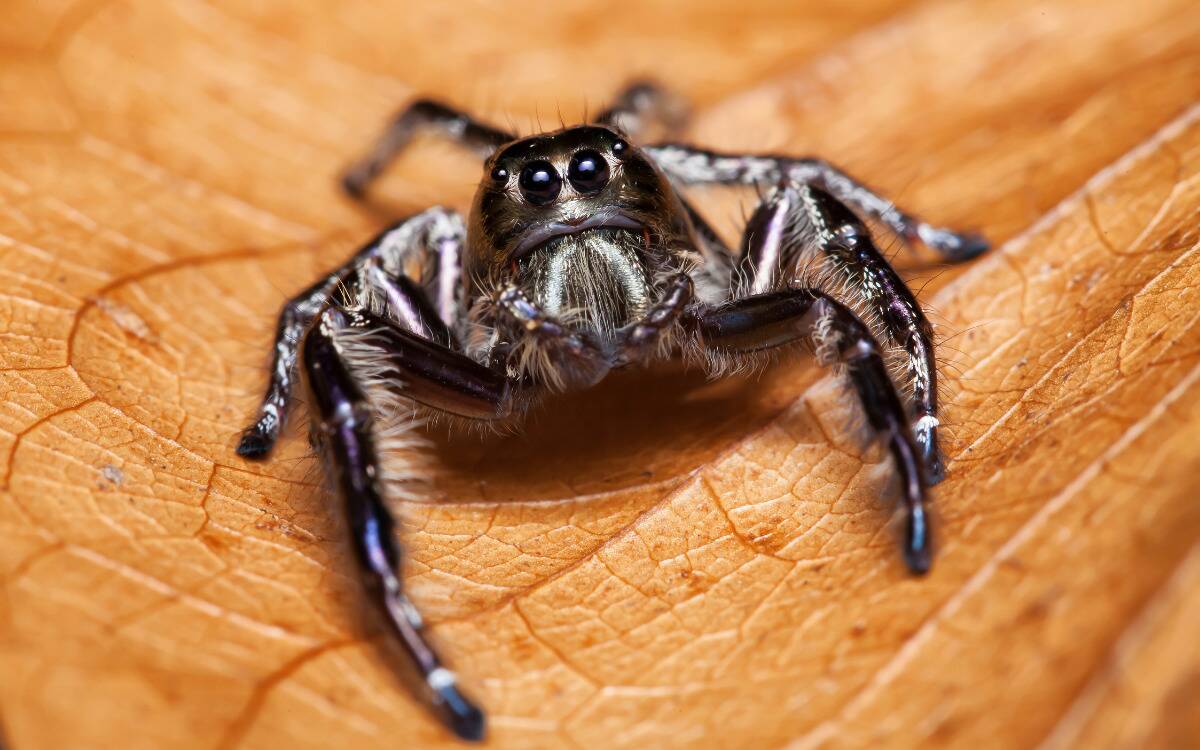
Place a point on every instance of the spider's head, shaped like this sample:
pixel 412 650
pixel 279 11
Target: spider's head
pixel 571 181
pixel 579 218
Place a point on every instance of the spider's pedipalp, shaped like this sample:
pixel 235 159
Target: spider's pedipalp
pixel 541 348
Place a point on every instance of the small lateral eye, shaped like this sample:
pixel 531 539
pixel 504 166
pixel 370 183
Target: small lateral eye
pixel 499 174
pixel 588 171
pixel 540 182
pixel 620 148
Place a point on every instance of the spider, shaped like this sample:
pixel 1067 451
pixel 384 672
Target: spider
pixel 580 256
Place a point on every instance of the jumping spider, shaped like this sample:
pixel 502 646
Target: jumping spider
pixel 580 256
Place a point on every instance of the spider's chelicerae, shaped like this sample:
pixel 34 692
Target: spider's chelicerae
pixel 580 256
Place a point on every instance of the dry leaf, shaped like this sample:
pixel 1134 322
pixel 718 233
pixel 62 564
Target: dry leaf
pixel 662 562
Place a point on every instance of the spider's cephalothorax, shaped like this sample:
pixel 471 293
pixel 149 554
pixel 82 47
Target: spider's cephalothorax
pixel 581 255
pixel 581 224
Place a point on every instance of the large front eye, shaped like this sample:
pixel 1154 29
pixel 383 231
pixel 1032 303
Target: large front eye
pixel 539 182
pixel 588 171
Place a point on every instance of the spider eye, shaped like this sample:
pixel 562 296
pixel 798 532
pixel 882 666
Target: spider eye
pixel 620 149
pixel 500 175
pixel 540 182
pixel 588 172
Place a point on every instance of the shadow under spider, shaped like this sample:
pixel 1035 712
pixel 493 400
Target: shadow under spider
pixel 635 428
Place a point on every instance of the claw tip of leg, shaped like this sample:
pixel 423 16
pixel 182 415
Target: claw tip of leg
pixel 936 471
pixel 253 444
pixel 464 717
pixel 918 560
pixel 353 185
pixel 970 246
pixel 917 549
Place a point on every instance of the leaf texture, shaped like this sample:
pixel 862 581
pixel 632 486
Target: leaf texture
pixel 663 562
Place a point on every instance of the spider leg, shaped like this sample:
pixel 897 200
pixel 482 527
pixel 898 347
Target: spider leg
pixel 644 106
pixel 715 271
pixel 353 360
pixel 258 439
pixel 437 233
pixel 423 114
pixel 814 217
pixel 432 241
pixel 693 166
pixel 773 319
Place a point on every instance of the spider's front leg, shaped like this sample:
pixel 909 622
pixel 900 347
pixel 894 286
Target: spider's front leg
pixel 356 363
pixel 777 318
pixel 373 343
pixel 795 219
pixel 694 166
pixel 433 238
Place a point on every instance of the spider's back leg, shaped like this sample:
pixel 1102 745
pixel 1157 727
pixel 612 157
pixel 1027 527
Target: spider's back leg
pixel 645 109
pixel 689 165
pixel 421 115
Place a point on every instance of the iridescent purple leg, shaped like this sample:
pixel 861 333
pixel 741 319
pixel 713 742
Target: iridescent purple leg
pixel 796 219
pixel 774 319
pixel 346 421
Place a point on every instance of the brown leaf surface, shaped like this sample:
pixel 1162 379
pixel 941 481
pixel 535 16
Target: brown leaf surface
pixel 663 562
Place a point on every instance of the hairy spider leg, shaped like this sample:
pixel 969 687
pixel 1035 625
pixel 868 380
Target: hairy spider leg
pixel 694 166
pixel 407 303
pixel 773 319
pixel 642 107
pixel 423 114
pixel 358 362
pixel 716 270
pixel 345 422
pixel 795 218
pixel 297 314
pixel 437 233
